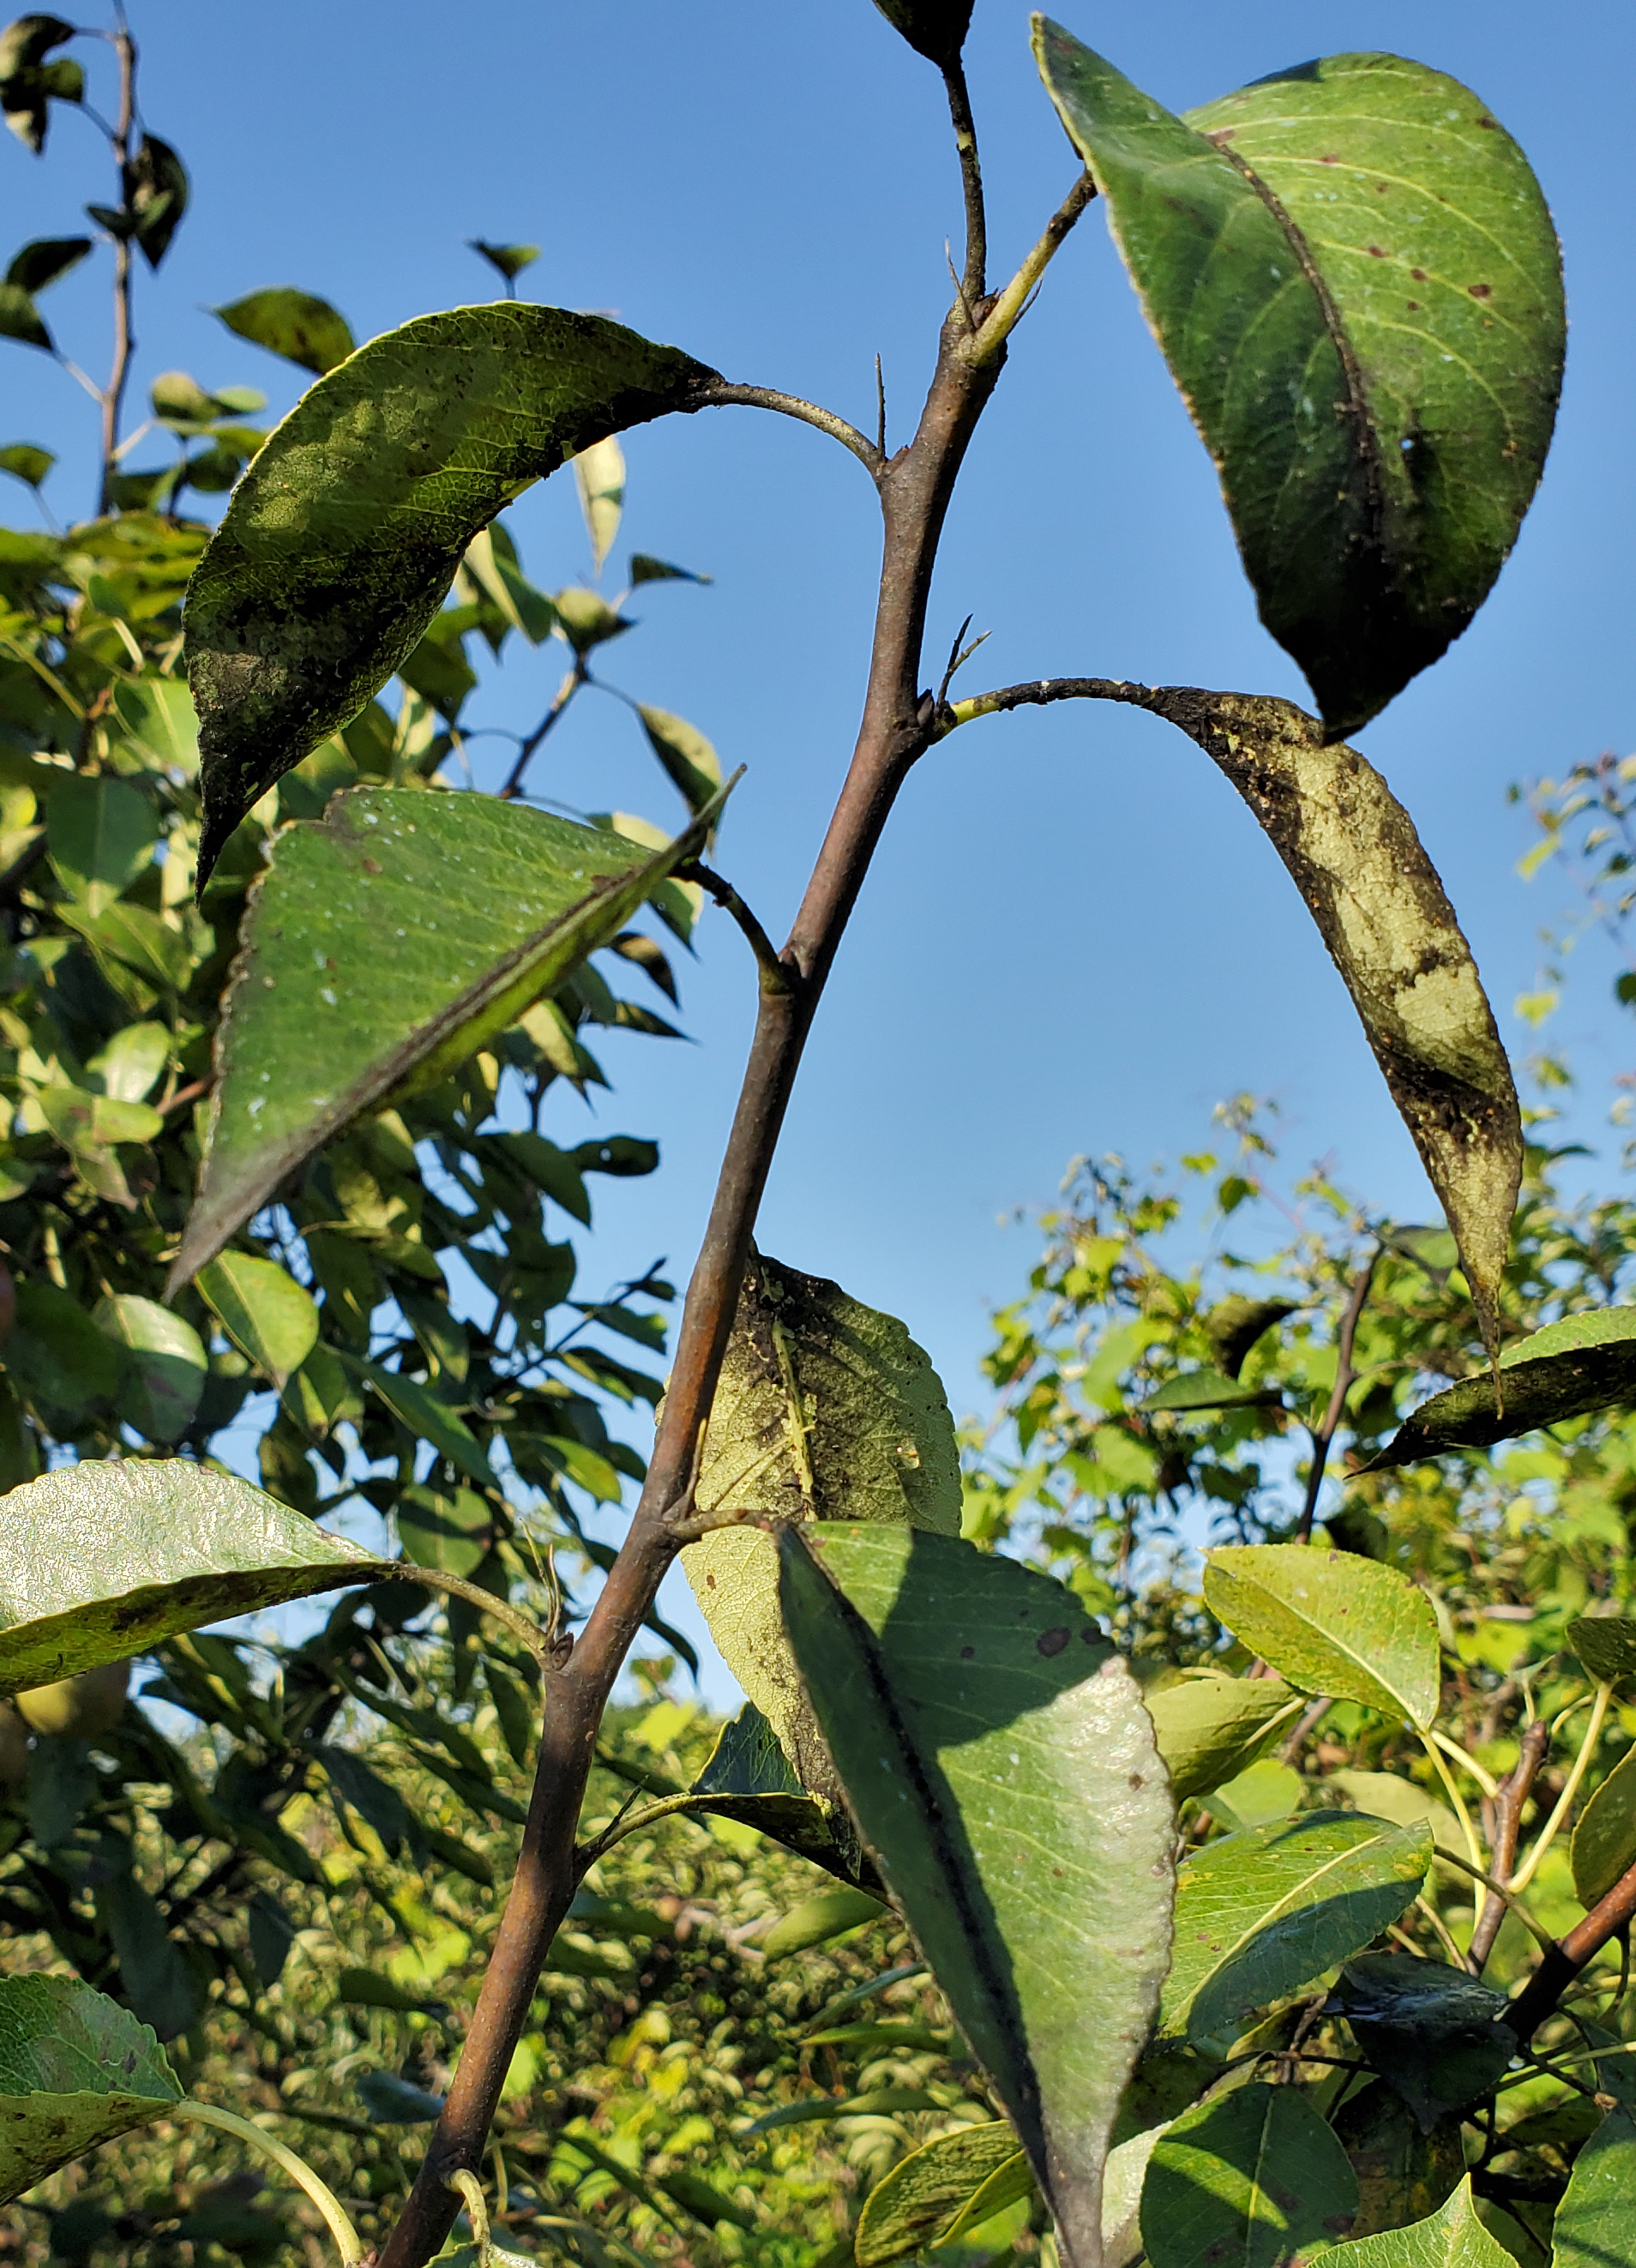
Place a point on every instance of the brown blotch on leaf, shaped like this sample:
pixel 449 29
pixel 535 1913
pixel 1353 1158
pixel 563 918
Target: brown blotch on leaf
pixel 1051 1641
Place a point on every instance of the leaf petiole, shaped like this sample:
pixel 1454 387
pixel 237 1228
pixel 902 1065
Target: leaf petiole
pixel 208 2114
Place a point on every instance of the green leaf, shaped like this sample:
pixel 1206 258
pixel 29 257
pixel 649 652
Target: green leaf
pixel 501 579
pixel 600 477
pixel 291 323
pixel 817 1920
pixel 264 1310
pixel 1355 281
pixel 689 762
pixel 1604 1841
pixel 585 619
pixel 1594 2221
pixel 103 1560
pixel 427 1417
pixel 1402 2174
pixel 1207 1389
pixel 925 2191
pixel 1606 1644
pixel 1210 1728
pixel 344 535
pixel 364 1988
pixel 826 1409
pixel 157 713
pixel 934 28
pixel 1254 2176
pixel 481 906
pixel 100 835
pixel 155 1979
pixel 646 570
pixel 165 1367
pixel 76 2069
pixel 1453 2237
pixel 1435 2034
pixel 509 259
pixel 20 320
pixel 59 1361
pixel 26 462
pixel 1352 852
pixel 996 1755
pixel 133 1062
pixel 41 263
pixel 1331 1622
pixel 28 40
pixel 448 1530
pixel 1260 1913
pixel 1235 1325
pixel 747 1778
pixel 156 189
pixel 1570 1369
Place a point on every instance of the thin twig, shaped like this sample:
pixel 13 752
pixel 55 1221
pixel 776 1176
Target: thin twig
pixel 1508 1800
pixel 579 675
pixel 974 285
pixel 1547 1835
pixel 725 395
pixel 879 408
pixel 1346 1377
pixel 1507 1898
pixel 1013 303
pixel 113 395
pixel 777 975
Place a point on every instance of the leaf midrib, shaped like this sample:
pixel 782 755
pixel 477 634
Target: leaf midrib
pixel 1332 1639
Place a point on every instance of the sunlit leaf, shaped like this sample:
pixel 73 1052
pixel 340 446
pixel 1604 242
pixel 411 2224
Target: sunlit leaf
pixel 1594 2221
pixel 689 760
pixel 600 477
pixel 344 535
pixel 1604 1841
pixel 76 2069
pixel 1000 1765
pixel 1331 1622
pixel 1453 2237
pixel 818 1920
pixel 925 2191
pixel 1254 2176
pixel 165 1367
pixel 1210 1728
pixel 264 1310
pixel 302 329
pixel 1570 1369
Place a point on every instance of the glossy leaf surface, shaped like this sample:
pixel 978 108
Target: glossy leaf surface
pixel 1331 1622
pixel 1260 1913
pixel 1582 1364
pixel 1452 2237
pixel 1254 2176
pixel 1355 281
pixel 1352 852
pixel 385 943
pixel 826 1409
pixel 75 2070
pixel 264 1310
pixel 1000 1765
pixel 344 537
pixel 103 1560
pixel 1595 2220
pixel 1433 2033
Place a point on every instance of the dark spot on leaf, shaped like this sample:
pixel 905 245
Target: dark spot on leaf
pixel 1376 252
pixel 1492 124
pixel 966 1651
pixel 1135 1779
pixel 1051 1641
pixel 1418 274
pixel 1330 159
pixel 1381 187
pixel 1480 290
pixel 1414 306
pixel 710 1582
pixel 1090 1634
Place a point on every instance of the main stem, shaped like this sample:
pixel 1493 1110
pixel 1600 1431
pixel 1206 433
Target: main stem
pixel 114 393
pixel 899 724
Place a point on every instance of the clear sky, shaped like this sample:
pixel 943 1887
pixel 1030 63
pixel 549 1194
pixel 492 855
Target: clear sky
pixel 1075 938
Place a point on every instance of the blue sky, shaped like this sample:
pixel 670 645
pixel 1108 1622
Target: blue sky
pixel 1075 938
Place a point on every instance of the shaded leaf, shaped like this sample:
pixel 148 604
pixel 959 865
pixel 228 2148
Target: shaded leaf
pixel 1355 281
pixel 428 1418
pixel 1352 852
pixel 1208 1390
pixel 264 1311
pixel 934 28
pixel 302 329
pixel 509 259
pixel 103 1560
pixel 689 762
pixel 1435 2034
pixel 484 905
pixel 1254 2176
pixel 1594 2221
pixel 1606 1644
pixel 26 462
pixel 748 1779
pixel 1000 1765
pixel 156 189
pixel 826 1409
pixel 1452 2237
pixel 75 2070
pixel 1582 1364
pixel 1233 1326
pixel 1402 2175
pixel 393 2102
pixel 41 263
pixel 1331 1622
pixel 20 320
pixel 156 1978
pixel 165 1367
pixel 1210 1728
pixel 344 535
pixel 600 477
pixel 100 835
pixel 448 1530
pixel 644 569
pixel 818 1920
pixel 1604 1841
pixel 1260 1913
pixel 925 2191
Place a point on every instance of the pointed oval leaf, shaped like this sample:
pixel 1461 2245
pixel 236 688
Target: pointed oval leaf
pixel 167 1364
pixel 385 944
pixel 344 535
pixel 304 330
pixel 1437 2035
pixel 1260 1913
pixel 826 1409
pixel 929 2188
pixel 103 1560
pixel 1254 2176
pixel 76 2069
pixel 600 477
pixel 996 1756
pixel 1352 852
pixel 1208 1390
pixel 1604 1841
pixel 1209 1728
pixel 1570 1369
pixel 1331 1622
pixel 264 1311
pixel 819 1920
pixel 1595 2220
pixel 689 761
pixel 1355 281
pixel 1606 1644
pixel 1453 2237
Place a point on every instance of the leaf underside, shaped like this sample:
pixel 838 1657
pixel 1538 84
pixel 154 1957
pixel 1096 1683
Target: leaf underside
pixel 104 1560
pixel 383 944
pixel 1568 1370
pixel 76 2069
pixel 1003 1772
pixel 1331 1622
pixel 1352 852
pixel 344 537
pixel 1355 281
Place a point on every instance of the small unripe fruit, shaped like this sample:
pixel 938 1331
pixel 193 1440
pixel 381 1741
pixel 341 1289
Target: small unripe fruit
pixel 79 1707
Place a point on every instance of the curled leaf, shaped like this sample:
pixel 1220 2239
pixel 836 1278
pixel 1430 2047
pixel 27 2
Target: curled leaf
pixel 1570 1369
